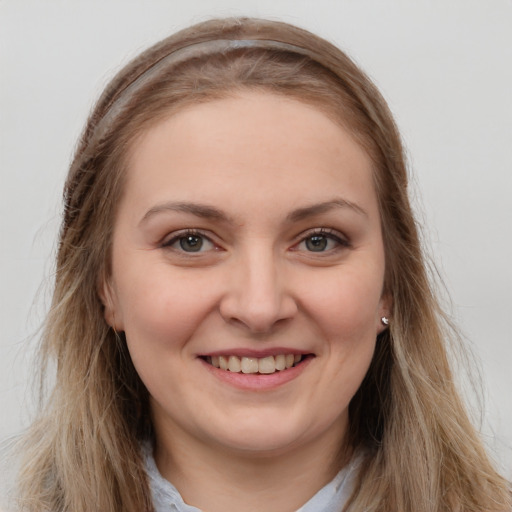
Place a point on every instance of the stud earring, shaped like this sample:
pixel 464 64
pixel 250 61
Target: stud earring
pixel 385 320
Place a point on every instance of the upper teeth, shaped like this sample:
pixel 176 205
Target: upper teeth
pixel 268 364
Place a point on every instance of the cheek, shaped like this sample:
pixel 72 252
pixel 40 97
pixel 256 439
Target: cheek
pixel 161 315
pixel 162 307
pixel 346 311
pixel 346 304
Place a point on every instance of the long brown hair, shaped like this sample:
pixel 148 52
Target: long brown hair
pixel 83 451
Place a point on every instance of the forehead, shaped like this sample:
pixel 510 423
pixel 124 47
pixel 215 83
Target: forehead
pixel 257 142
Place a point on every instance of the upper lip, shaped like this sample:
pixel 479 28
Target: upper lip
pixel 258 354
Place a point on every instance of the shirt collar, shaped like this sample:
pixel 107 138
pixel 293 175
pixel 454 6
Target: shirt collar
pixel 330 498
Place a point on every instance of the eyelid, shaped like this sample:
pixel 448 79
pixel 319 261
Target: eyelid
pixel 173 237
pixel 330 233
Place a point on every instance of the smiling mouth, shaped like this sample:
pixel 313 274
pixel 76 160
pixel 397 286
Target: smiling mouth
pixel 263 365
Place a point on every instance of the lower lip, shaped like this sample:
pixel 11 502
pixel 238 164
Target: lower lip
pixel 257 381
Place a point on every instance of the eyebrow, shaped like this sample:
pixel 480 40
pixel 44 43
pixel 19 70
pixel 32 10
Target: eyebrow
pixel 199 210
pixel 209 212
pixel 317 209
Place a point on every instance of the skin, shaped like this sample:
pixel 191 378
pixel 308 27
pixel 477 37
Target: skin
pixel 258 165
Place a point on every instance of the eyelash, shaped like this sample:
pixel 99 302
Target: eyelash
pixel 322 233
pixel 327 234
pixel 182 235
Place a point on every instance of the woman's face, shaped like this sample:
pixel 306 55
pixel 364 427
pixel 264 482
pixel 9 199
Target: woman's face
pixel 249 237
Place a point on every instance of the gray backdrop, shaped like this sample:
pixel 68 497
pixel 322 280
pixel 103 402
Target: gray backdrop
pixel 445 68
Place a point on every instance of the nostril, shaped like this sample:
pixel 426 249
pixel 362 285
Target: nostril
pixel 259 316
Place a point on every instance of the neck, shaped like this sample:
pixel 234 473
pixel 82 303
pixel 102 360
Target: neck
pixel 216 479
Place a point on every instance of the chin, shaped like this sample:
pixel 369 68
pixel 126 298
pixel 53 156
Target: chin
pixel 265 437
pixel 262 444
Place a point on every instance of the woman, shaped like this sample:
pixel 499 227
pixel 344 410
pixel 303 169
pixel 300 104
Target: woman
pixel 242 318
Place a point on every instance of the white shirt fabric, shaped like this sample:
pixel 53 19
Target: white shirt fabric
pixel 330 498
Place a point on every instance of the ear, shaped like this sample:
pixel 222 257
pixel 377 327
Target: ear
pixel 384 311
pixel 107 294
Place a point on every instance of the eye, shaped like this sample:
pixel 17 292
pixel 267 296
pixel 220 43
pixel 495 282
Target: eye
pixel 190 242
pixel 322 241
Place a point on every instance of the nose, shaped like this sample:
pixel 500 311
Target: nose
pixel 258 295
